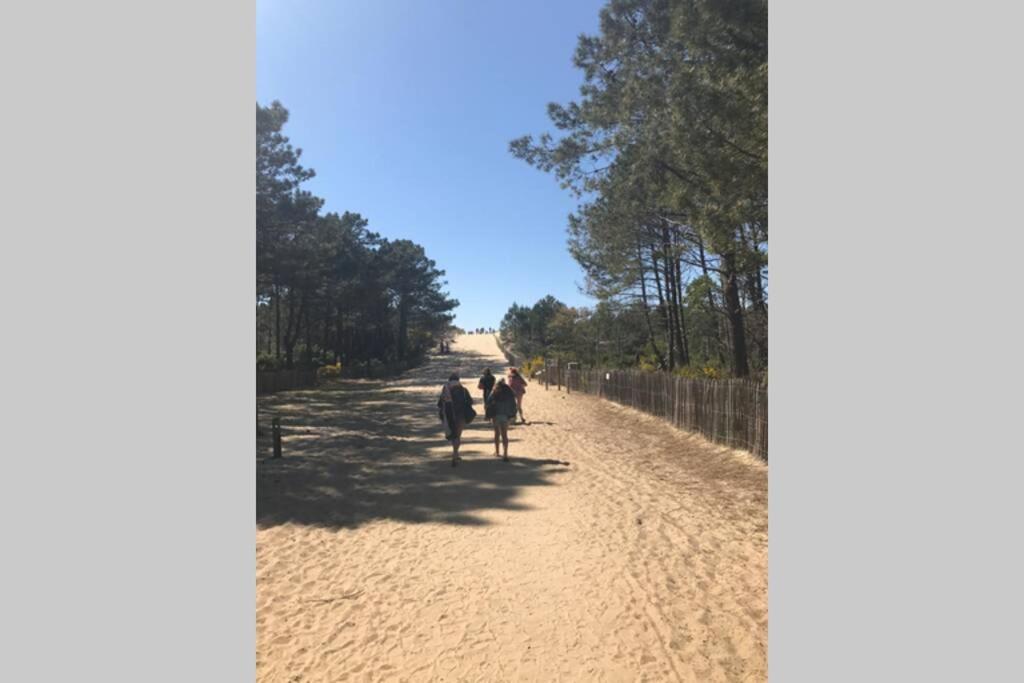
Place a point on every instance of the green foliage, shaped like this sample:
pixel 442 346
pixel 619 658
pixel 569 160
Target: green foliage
pixel 329 371
pixel 530 327
pixel 608 335
pixel 328 288
pixel 529 367
pixel 667 147
pixel 708 371
pixel 648 363
pixel 266 362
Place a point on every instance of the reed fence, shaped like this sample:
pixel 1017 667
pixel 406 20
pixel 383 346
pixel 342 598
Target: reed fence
pixel 731 412
pixel 272 381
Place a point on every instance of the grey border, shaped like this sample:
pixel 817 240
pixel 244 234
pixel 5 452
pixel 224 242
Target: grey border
pixel 128 266
pixel 894 479
pixel 127 490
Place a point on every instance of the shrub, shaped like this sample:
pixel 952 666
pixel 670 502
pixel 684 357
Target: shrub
pixel 531 366
pixel 712 372
pixel 648 364
pixel 267 362
pixel 329 371
pixel 707 371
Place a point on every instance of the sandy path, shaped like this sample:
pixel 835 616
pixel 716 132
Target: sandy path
pixel 611 547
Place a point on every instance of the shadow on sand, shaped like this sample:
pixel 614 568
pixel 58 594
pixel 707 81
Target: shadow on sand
pixel 361 450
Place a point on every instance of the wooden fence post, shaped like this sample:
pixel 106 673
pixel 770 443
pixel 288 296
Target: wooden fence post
pixel 277 437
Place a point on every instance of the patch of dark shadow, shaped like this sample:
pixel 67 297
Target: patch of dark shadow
pixel 360 450
pixel 346 493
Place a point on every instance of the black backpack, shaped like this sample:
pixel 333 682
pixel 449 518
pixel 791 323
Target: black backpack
pixel 469 414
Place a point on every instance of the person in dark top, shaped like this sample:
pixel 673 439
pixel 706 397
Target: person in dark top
pixel 501 407
pixel 454 408
pixel 486 384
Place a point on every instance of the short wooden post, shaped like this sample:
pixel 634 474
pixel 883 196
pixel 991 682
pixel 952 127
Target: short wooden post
pixel 277 437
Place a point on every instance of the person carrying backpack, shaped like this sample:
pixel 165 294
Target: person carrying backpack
pixel 455 408
pixel 501 408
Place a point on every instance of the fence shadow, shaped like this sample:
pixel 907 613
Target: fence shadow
pixel 362 450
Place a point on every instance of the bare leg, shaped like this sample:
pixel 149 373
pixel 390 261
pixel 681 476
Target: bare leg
pixel 519 405
pixel 497 434
pixel 504 439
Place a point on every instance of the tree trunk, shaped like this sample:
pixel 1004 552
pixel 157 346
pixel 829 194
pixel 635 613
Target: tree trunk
pixel 268 333
pixel 704 270
pixel 681 329
pixel 338 333
pixel 291 333
pixel 752 287
pixel 309 338
pixel 403 327
pixel 735 315
pixel 672 285
pixel 663 310
pixel 325 323
pixel 673 309
pixel 277 323
pixel 647 312
pixel 758 320
pixel 711 302
pixel 672 264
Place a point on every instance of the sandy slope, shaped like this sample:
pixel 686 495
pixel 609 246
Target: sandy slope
pixel 612 547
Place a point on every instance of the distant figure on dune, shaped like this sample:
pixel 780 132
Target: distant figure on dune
pixel 518 384
pixel 455 408
pixel 486 384
pixel 501 407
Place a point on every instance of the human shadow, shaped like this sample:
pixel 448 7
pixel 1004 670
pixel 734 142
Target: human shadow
pixel 362 450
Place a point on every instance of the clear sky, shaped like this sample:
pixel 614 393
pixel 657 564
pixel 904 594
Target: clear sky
pixel 405 110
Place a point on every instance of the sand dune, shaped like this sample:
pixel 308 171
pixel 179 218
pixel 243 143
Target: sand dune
pixel 611 548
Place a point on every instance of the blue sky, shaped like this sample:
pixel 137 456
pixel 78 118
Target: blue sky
pixel 405 110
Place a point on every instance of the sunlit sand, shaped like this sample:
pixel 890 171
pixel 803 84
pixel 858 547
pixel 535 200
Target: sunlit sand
pixel 611 547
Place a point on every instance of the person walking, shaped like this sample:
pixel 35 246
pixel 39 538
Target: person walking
pixel 486 384
pixel 500 408
pixel 455 408
pixel 518 385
